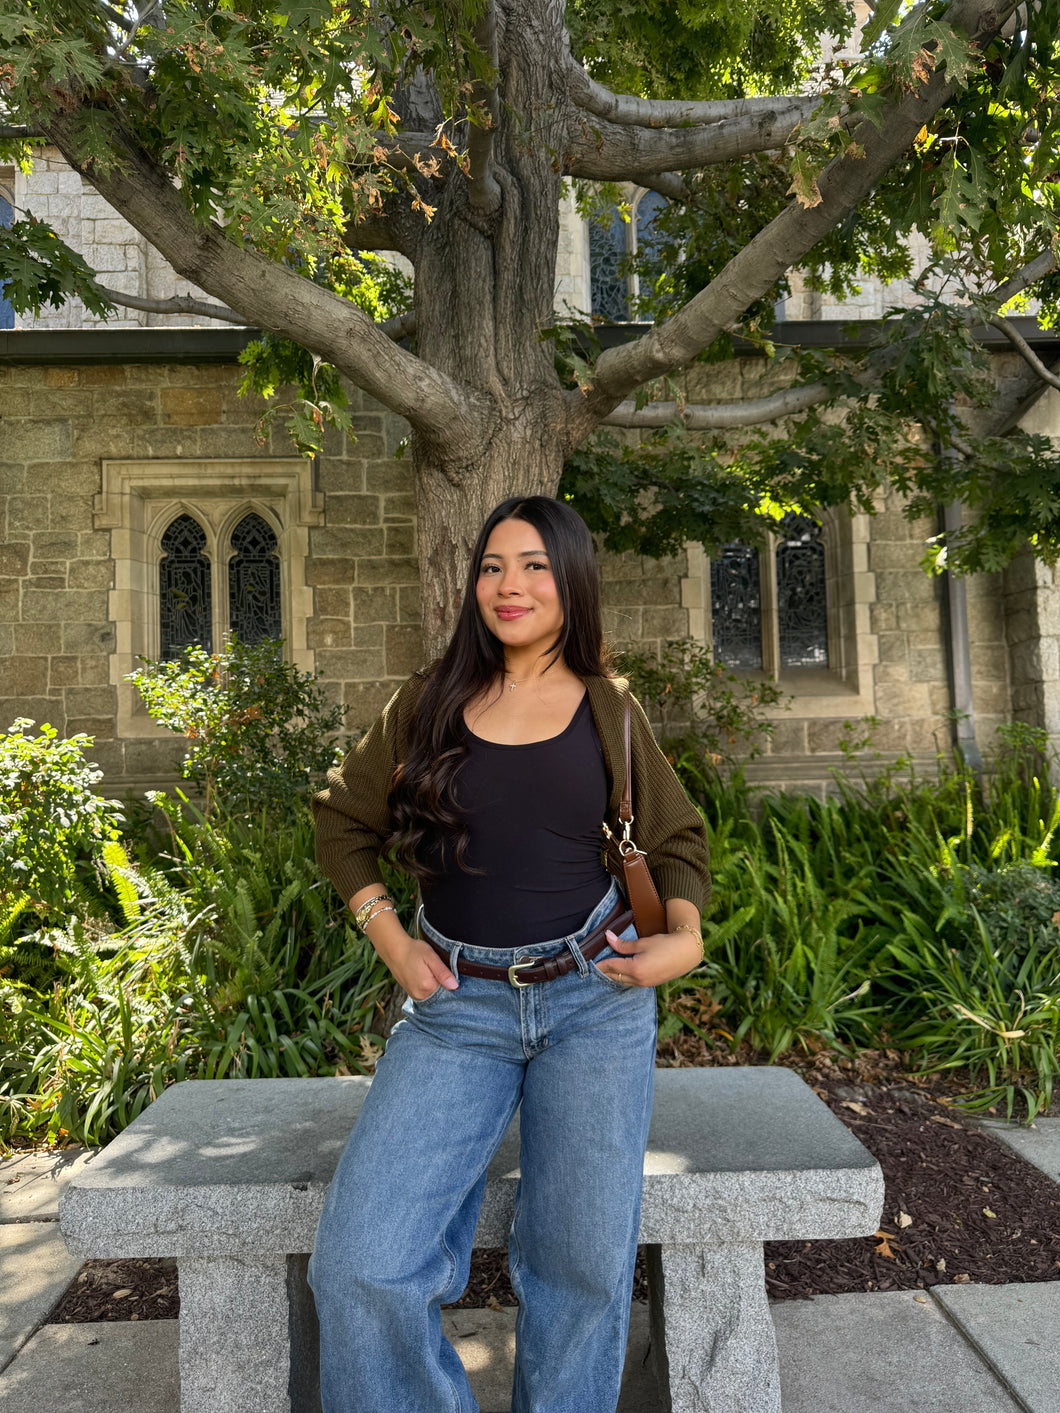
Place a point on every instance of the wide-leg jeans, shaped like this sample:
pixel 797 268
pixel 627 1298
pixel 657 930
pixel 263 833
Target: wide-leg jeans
pixel 395 1235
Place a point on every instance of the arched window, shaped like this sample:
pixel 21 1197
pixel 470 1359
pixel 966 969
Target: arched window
pixel 184 591
pixel 7 314
pixel 802 613
pixel 254 582
pixel 614 288
pixel 736 606
pixel 769 607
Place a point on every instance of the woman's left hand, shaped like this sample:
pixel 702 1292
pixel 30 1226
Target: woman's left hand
pixel 649 961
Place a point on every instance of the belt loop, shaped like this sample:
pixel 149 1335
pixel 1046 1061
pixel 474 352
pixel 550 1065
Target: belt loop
pixel 576 952
pixel 418 925
pixel 454 960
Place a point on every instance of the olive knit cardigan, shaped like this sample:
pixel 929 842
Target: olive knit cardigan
pixel 353 822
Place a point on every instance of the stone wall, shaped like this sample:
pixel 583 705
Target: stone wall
pixel 59 584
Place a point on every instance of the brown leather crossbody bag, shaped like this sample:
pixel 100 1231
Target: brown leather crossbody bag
pixel 649 914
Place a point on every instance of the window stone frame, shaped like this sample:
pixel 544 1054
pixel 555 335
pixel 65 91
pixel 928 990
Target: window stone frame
pixel 139 501
pixel 846 685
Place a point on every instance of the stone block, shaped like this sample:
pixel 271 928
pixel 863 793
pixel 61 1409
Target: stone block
pixel 404 649
pixel 409 607
pixel 374 605
pixel 892 647
pixel 399 507
pixel 87 638
pixel 370 446
pixel 365 700
pixel 50 566
pixel 331 542
pixel 927 665
pixel 47 402
pixel 329 633
pixel 370 635
pixel 156 757
pixel 664 622
pixel 35 639
pixel 10 600
pixel 57 605
pixel 387 476
pixel 54 545
pixel 12 477
pixel 90 574
pixel 163 442
pixel 824 736
pixel 100 728
pixel 340 476
pixel 41 439
pixel 230 441
pixel 103 375
pixel 40 710
pixel 64 671
pixel 902 699
pixel 44 581
pixel 95 671
pixel 7 639
pixel 62 377
pixel 24 676
pixel 69 512
pixel 646 593
pixel 329 571
pixel 399 540
pixel 190 407
pixel 93 544
pixel 333 602
pixel 789 738
pixel 27 512
pixel 90 701
pixel 345 509
pixel 350 664
pixel 1009 1324
pixel 14 559
pixel 387 571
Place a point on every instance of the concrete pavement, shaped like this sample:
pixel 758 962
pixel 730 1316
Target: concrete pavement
pixel 956 1349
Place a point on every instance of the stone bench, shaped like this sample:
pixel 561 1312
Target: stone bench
pixel 229 1177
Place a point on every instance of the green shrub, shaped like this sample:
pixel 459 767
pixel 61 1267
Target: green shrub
pixel 260 732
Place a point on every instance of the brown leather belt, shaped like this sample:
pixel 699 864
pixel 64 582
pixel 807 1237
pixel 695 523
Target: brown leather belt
pixel 526 973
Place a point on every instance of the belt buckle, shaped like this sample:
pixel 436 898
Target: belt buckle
pixel 518 966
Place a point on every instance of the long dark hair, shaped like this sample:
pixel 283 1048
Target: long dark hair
pixel 426 821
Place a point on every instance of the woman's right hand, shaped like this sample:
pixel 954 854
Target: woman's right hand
pixel 416 967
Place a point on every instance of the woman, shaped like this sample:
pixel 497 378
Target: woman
pixel 489 777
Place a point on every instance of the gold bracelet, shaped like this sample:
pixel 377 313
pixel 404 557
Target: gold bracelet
pixel 363 910
pixel 687 927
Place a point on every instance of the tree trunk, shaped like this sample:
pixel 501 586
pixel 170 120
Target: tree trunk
pixel 484 292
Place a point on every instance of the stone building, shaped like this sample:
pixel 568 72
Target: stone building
pixel 129 470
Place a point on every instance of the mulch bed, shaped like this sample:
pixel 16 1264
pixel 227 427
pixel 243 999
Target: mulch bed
pixel 959 1205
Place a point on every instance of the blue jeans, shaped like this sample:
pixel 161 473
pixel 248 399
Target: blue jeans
pixel 395 1235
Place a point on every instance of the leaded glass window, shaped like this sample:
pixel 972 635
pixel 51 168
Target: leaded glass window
pixel 649 240
pixel 607 278
pixel 7 314
pixel 802 617
pixel 736 606
pixel 254 582
pixel 184 588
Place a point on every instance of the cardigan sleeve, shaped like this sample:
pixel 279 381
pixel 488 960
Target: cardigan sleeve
pixel 667 825
pixel 351 814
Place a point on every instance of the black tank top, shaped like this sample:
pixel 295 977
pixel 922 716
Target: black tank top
pixel 534 815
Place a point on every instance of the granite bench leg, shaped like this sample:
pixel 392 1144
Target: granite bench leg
pixel 248 1336
pixel 712 1336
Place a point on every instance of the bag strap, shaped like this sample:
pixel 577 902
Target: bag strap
pixel 625 809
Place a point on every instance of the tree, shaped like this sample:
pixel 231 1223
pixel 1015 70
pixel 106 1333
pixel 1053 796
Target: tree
pixel 268 154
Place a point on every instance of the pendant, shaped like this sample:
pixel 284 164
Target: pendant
pixel 511 686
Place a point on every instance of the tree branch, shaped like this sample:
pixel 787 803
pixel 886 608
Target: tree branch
pixel 483 191
pixel 175 304
pixel 778 246
pixel 401 326
pixel 16 134
pixel 280 300
pixel 627 110
pixel 1023 348
pixel 789 401
pixel 604 151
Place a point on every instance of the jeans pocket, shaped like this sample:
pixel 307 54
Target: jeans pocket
pixel 429 999
pixel 608 954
